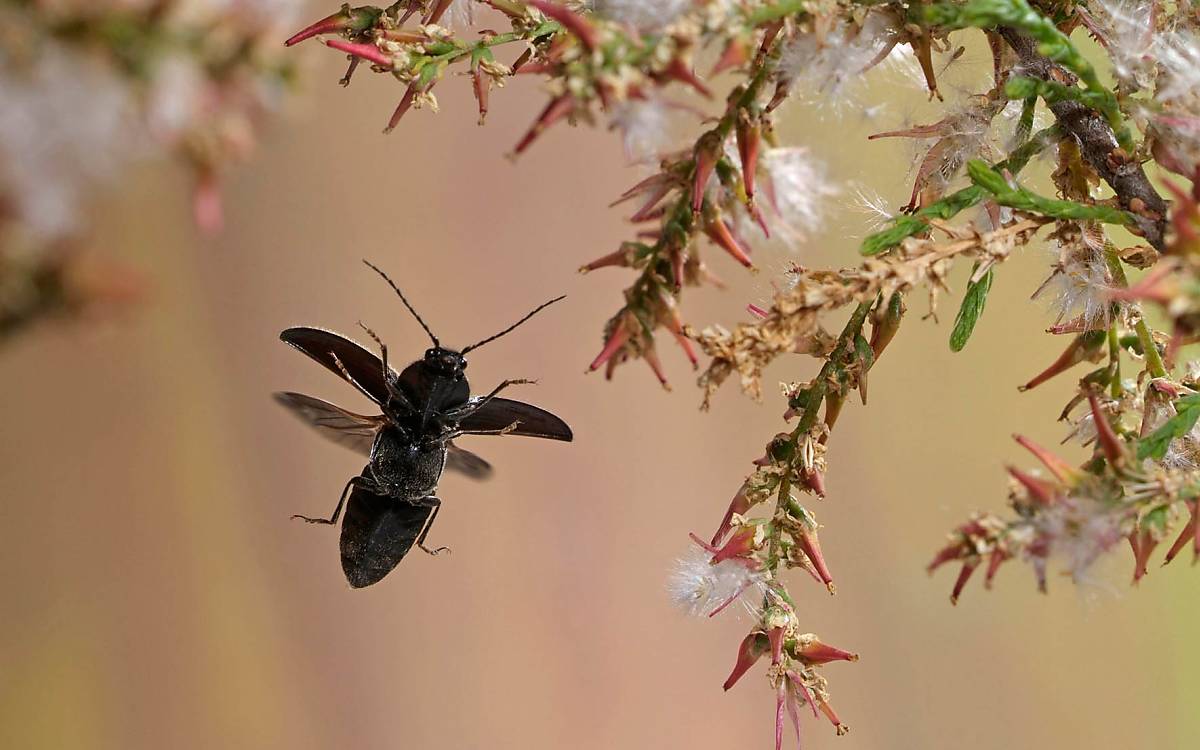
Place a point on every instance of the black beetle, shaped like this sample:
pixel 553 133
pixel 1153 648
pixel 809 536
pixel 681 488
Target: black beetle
pixel 392 503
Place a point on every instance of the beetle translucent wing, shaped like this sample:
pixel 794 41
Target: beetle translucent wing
pixel 377 533
pixel 354 431
pixel 327 348
pixel 467 463
pixel 499 413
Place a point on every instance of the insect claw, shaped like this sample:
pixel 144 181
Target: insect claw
pixel 435 551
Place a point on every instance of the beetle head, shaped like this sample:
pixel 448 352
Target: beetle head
pixel 445 362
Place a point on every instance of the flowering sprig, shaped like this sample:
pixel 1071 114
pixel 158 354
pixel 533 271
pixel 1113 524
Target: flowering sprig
pixel 794 462
pixel 1143 479
pixel 971 200
pixel 1133 489
pixel 90 89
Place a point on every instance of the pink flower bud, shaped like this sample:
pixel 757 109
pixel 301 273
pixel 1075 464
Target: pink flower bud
pixel 1042 492
pixel 815 481
pixel 482 85
pixel 557 109
pixel 617 338
pixel 1081 348
pixel 1114 449
pixel 618 258
pixel 748 140
pixel 734 55
pixel 650 355
pixel 355 20
pixel 1190 533
pixel 741 544
pixel 750 651
pixel 368 52
pixel 738 505
pixel 1142 542
pixel 964 574
pixel 812 651
pixel 811 546
pixel 680 71
pixel 706 155
pixel 997 558
pixel 830 714
pixel 1063 471
pixel 719 232
pixel 886 323
pixel 402 108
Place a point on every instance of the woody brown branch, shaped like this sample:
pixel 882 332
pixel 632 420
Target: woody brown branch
pixel 1097 143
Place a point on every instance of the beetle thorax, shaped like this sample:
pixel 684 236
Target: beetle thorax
pixel 406 469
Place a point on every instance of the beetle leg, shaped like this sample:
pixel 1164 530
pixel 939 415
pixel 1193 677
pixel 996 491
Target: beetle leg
pixel 459 433
pixel 387 371
pixel 473 406
pixel 350 378
pixel 382 348
pixel 437 505
pixel 336 511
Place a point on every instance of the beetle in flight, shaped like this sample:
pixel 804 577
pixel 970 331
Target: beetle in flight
pixel 425 407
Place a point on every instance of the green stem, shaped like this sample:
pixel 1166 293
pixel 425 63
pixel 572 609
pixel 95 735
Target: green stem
pixel 1154 362
pixel 550 27
pixel 843 346
pixel 775 12
pixel 1114 358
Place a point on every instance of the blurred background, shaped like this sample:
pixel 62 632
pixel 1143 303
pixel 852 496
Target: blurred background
pixel 155 593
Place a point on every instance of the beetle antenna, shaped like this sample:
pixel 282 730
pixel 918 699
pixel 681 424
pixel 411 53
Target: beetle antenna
pixel 395 288
pixel 535 311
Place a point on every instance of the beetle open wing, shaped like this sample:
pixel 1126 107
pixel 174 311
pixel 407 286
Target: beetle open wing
pixel 377 532
pixel 354 431
pixel 467 463
pixel 499 413
pixel 327 348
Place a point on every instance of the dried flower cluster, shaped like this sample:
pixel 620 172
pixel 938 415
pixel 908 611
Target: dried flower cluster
pixel 89 87
pixel 734 184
